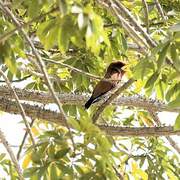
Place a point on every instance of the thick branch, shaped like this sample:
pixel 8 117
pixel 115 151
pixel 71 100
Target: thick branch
pixel 55 117
pixel 75 99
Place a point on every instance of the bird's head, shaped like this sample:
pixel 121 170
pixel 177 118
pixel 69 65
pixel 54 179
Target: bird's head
pixel 116 67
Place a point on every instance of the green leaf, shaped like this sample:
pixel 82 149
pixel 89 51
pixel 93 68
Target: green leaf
pixel 177 123
pixel 162 56
pixel 11 64
pixel 33 8
pixel 65 169
pixel 150 82
pixel 65 33
pixel 28 172
pixel 175 103
pixel 53 172
pixel 51 38
pixel 175 57
pixel 61 153
pixel 63 7
pixel 175 27
pixel 30 85
pixel 172 92
pixel 124 42
pixel 160 90
pixel 44 29
pixel 74 123
pixel 2 155
pixel 42 171
pixel 142 69
pixel 36 158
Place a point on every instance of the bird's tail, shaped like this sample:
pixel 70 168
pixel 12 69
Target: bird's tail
pixel 89 102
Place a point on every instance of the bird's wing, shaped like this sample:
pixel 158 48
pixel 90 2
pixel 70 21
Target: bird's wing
pixel 101 88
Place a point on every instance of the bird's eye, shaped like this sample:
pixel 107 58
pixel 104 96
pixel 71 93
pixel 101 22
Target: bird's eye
pixel 117 70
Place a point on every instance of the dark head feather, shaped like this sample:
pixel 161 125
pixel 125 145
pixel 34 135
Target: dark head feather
pixel 115 66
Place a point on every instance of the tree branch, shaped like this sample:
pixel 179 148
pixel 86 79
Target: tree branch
pixel 132 33
pixel 40 64
pixel 23 140
pixel 146 12
pixel 50 116
pixel 77 99
pixel 18 80
pixel 11 154
pixel 134 22
pixel 40 75
pixel 73 68
pixel 69 67
pixel 21 109
pixel 160 10
pixel 169 139
pixel 124 11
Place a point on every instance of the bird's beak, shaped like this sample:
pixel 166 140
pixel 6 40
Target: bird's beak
pixel 124 68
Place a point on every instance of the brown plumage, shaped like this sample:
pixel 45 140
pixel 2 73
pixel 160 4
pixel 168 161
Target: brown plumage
pixel 114 72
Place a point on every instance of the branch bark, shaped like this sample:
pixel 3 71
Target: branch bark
pixel 160 10
pixel 11 154
pixel 146 13
pixel 77 99
pixel 50 116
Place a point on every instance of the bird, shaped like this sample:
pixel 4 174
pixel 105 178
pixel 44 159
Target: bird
pixel 114 73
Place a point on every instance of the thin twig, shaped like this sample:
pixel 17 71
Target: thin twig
pixel 23 141
pixel 92 76
pixel 40 75
pixel 146 12
pixel 40 64
pixel 134 22
pixel 11 154
pixel 160 10
pixel 118 174
pixel 114 95
pixel 21 109
pixel 69 67
pixel 169 139
pixel 173 144
pixel 132 33
pixel 124 11
pixel 18 80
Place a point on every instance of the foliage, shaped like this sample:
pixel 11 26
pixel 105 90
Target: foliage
pixel 85 35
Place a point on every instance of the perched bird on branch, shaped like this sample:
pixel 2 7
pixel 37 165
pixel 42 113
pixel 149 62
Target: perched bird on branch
pixel 114 74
